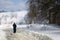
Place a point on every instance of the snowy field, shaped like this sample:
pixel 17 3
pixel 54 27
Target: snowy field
pixel 29 31
pixel 52 30
pixel 22 35
pixel 6 33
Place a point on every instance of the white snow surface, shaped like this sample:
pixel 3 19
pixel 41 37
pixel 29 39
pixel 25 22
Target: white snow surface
pixel 10 17
pixel 21 35
pixel 7 18
pixel 2 35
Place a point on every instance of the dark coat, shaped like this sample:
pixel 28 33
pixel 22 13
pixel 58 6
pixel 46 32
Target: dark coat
pixel 14 28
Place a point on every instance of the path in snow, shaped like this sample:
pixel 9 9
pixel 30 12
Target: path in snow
pixel 25 35
pixel 6 33
pixel 28 35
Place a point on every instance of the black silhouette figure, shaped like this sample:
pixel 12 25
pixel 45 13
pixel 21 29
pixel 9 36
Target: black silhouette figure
pixel 14 28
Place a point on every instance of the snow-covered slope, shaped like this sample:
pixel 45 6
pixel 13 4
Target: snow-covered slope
pixel 10 17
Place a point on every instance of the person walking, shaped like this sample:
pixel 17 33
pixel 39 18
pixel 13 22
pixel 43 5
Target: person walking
pixel 14 28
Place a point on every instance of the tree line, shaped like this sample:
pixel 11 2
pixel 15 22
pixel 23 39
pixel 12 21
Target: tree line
pixel 44 9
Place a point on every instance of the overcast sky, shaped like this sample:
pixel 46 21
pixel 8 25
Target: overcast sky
pixel 13 5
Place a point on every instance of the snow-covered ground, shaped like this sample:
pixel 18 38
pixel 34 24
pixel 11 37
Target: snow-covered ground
pixel 7 18
pixel 37 28
pixel 26 35
pixel 47 29
pixel 40 27
pixel 52 30
pixel 2 35
pixel 6 33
